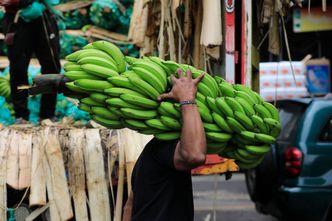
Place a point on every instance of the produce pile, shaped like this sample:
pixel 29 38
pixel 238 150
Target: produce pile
pixel 121 92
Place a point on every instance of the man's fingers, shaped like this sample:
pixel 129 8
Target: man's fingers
pixel 180 72
pixel 173 78
pixel 189 74
pixel 165 96
pixel 199 78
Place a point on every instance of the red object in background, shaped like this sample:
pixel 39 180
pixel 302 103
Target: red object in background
pixel 293 161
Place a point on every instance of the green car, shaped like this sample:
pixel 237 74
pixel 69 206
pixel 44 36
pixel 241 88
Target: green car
pixel 294 182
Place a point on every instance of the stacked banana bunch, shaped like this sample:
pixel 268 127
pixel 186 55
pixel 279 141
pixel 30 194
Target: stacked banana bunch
pixel 5 87
pixel 121 92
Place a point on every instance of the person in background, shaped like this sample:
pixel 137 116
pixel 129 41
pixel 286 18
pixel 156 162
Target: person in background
pixel 30 27
pixel 161 179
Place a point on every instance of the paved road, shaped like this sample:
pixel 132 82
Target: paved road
pixel 218 200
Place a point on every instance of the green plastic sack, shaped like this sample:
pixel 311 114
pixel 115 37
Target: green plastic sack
pixel 33 11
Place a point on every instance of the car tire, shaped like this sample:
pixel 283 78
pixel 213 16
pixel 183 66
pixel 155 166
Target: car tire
pixel 261 181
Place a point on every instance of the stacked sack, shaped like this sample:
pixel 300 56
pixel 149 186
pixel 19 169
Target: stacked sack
pixel 121 92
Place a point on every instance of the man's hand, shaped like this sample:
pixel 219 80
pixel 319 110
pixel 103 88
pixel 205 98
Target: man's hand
pixel 184 88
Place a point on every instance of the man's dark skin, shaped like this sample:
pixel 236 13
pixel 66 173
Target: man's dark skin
pixel 189 152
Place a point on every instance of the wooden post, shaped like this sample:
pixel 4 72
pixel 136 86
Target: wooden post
pixel 95 176
pixel 38 181
pixel 4 140
pixel 77 173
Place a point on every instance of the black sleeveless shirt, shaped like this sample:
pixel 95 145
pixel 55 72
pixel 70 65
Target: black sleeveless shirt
pixel 161 193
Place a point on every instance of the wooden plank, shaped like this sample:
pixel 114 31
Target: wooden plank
pixel 4 140
pixel 13 160
pixel 73 5
pixel 38 181
pixel 24 176
pixel 77 173
pixel 95 176
pixel 59 181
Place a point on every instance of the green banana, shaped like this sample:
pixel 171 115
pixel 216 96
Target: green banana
pixel 139 114
pixel 211 103
pixel 204 112
pixel 205 90
pixel 157 124
pixel 250 136
pixel 71 86
pixel 167 108
pixel 139 100
pixel 90 102
pixel 234 104
pixel 76 75
pixel 89 46
pixel 104 113
pixel 172 66
pixel 129 73
pixel 218 137
pixel 117 91
pixel 113 51
pixel 234 125
pixel 71 66
pixel 265 138
pixel 73 56
pixel 272 123
pixel 154 69
pixel 240 141
pixel 100 71
pixel 246 97
pixel 262 111
pixel 115 111
pixel 239 158
pixel 85 107
pixel 151 131
pixel 93 52
pixel 244 120
pixel 247 107
pixel 245 154
pixel 99 62
pixel 159 62
pixel 252 164
pixel 151 78
pixel 170 122
pixel 259 122
pixel 143 86
pixel 131 60
pixel 211 127
pixel 201 98
pixel 273 110
pixel 119 103
pixel 247 90
pixel 224 107
pixel 136 124
pixel 112 124
pixel 258 150
pixel 99 97
pixel 226 89
pixel 221 122
pixel 121 81
pixel 92 85
pixel 218 79
pixel 208 80
pixel 167 136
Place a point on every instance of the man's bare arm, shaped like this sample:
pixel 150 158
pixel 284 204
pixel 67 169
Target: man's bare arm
pixel 190 151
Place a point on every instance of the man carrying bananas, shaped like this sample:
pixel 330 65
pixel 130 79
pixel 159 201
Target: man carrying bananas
pixel 30 27
pixel 161 179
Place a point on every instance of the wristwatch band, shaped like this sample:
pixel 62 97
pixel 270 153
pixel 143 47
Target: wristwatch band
pixel 187 102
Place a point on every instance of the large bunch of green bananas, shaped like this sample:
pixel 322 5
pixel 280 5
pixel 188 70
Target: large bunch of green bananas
pixel 121 91
pixel 5 87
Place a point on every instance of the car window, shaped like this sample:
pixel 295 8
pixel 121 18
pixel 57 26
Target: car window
pixel 290 113
pixel 326 134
